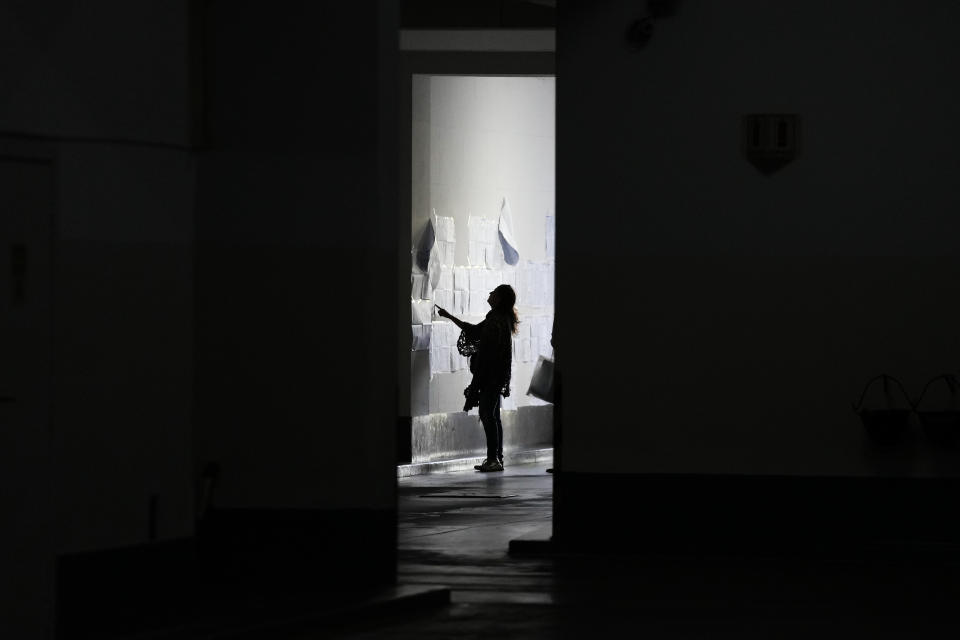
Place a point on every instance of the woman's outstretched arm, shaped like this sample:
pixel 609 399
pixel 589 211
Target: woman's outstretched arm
pixel 443 313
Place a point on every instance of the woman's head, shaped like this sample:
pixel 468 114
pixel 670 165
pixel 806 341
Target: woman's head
pixel 503 299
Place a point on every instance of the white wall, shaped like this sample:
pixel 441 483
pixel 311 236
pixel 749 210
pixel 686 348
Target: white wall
pixel 476 140
pixel 756 307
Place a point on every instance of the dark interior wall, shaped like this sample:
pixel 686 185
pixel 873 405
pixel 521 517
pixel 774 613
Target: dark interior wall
pixel 292 202
pixel 101 91
pixel 26 493
pixel 98 94
pixel 106 69
pixel 750 310
pixel 296 234
pixel 477 14
pixel 123 345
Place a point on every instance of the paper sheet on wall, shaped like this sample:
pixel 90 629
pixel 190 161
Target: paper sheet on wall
pixel 491 280
pixel 420 337
pixel 523 289
pixel 507 241
pixel 435 260
pixel 542 285
pixel 446 229
pixel 446 239
pixel 421 311
pixel 493 251
pixel 490 231
pixel 450 334
pixel 532 339
pixel 475 280
pixel 489 257
pixel 483 248
pixel 424 246
pixel 449 253
pixel 418 283
pixel 493 257
pixel 444 357
pixel 455 360
pixel 435 365
pixel 475 257
pixel 536 284
pixel 478 303
pixel 435 249
pixel 443 293
pixel 509 277
pixel 443 298
pixel 446 277
pixel 461 280
pixel 527 293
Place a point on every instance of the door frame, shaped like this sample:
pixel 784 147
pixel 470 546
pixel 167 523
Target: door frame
pixel 443 61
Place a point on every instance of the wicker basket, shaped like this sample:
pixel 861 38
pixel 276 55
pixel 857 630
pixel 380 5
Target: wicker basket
pixel 942 426
pixel 887 425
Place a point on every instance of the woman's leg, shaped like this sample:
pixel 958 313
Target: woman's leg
pixel 496 417
pixel 490 407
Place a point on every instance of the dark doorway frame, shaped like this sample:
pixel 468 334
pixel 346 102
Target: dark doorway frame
pixel 454 63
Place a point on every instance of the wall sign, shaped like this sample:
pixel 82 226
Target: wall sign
pixel 770 140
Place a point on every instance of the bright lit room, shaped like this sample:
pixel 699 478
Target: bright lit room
pixel 482 216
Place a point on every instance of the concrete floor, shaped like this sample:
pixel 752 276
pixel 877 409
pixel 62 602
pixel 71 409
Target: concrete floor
pixel 455 529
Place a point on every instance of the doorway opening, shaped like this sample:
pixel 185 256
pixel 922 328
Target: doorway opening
pixel 482 214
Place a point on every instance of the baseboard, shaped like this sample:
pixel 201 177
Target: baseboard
pixel 623 513
pixel 447 436
pixel 531 456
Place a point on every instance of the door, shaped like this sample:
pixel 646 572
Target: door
pixel 26 546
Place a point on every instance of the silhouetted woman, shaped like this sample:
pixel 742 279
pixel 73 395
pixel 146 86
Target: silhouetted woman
pixel 490 349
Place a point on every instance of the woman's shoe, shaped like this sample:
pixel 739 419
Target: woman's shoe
pixel 489 465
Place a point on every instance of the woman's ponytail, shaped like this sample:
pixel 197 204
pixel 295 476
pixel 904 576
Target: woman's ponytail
pixel 508 298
